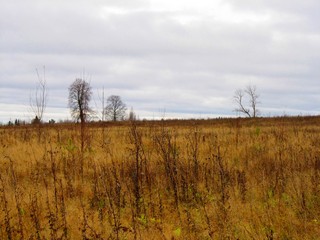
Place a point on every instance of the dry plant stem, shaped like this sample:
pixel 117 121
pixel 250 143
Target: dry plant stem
pixel 51 217
pixel 113 194
pixel 167 148
pixel 207 218
pixel 82 136
pixel 222 204
pixel 193 142
pixel 138 154
pixel 35 215
pixel 63 212
pixel 84 224
pixel 55 181
pixel 17 195
pixel 5 209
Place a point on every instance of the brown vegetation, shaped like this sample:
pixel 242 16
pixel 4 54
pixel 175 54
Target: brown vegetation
pixel 217 179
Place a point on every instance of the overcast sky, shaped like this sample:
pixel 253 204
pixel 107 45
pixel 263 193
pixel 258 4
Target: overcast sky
pixel 181 58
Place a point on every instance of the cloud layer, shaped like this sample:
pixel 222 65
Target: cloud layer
pixel 184 57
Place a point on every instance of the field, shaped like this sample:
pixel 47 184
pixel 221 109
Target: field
pixel 205 179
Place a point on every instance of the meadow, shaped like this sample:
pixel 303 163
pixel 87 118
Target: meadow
pixel 187 179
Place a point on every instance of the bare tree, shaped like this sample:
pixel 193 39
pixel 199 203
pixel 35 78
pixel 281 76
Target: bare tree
pixel 250 94
pixel 132 115
pixel 251 91
pixel 102 101
pixel 38 100
pixel 115 109
pixel 80 94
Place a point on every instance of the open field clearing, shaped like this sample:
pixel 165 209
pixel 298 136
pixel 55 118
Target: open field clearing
pixel 215 179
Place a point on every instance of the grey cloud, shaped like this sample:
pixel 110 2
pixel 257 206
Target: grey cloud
pixel 155 60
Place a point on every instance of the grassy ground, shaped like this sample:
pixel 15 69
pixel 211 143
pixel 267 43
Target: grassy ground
pixel 214 179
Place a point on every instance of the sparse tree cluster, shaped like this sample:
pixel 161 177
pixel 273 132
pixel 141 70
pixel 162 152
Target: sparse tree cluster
pixel 80 94
pixel 114 109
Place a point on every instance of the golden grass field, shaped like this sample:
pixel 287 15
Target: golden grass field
pixel 203 179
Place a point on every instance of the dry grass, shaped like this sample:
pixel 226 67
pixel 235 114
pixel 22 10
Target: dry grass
pixel 219 179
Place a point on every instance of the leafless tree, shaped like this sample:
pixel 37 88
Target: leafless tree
pixel 115 109
pixel 38 100
pixel 102 102
pixel 80 94
pixel 253 99
pixel 248 94
pixel 132 115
